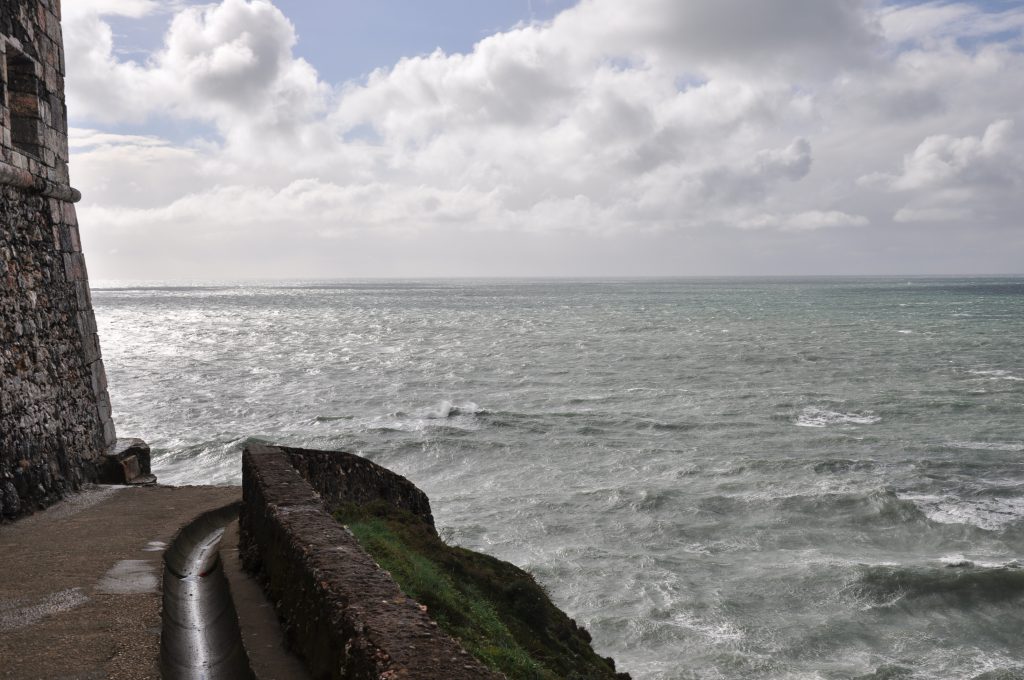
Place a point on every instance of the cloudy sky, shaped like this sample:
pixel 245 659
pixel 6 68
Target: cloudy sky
pixel 288 138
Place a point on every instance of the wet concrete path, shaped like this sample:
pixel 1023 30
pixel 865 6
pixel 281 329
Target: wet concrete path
pixel 80 582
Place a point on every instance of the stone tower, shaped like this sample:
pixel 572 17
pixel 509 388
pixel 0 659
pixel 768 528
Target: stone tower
pixel 55 420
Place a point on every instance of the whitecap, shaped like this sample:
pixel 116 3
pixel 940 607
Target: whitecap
pixel 815 416
pixel 438 411
pixel 955 561
pixel 962 562
pixel 717 631
pixel 997 374
pixel 444 414
pixel 448 409
pixel 991 514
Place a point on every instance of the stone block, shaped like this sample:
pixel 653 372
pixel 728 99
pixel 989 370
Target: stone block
pixel 24 104
pixel 86 321
pixel 68 214
pixel 127 460
pixel 74 267
pixel 103 406
pixel 98 378
pixel 69 239
pixel 90 348
pixel 109 433
pixel 83 296
pixel 119 471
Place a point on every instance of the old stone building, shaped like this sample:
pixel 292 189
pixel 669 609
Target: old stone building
pixel 55 420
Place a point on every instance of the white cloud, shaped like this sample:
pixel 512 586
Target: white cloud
pixel 84 138
pixel 941 160
pixel 811 220
pixel 966 179
pixel 611 121
pixel 74 11
pixel 229 63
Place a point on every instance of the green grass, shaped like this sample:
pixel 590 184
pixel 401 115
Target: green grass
pixel 498 611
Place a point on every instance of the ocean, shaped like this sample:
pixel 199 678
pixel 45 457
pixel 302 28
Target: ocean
pixel 721 478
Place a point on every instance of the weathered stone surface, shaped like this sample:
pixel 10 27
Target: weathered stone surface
pixel 125 462
pixel 11 504
pixel 341 477
pixel 124 448
pixel 341 613
pixel 54 413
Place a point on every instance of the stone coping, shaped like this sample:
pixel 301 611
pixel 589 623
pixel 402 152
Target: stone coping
pixel 341 477
pixel 14 176
pixel 343 614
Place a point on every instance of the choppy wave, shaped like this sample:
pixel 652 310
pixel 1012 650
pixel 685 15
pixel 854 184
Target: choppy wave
pixel 448 409
pixel 996 374
pixel 989 446
pixel 817 416
pixel 444 415
pixel 965 583
pixel 988 513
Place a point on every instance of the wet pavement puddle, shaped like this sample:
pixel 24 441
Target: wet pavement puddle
pixel 129 577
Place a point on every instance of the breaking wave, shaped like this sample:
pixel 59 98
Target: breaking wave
pixel 816 416
pixel 962 582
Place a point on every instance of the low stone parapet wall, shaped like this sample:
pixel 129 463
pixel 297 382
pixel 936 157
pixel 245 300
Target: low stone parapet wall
pixel 344 615
pixel 341 478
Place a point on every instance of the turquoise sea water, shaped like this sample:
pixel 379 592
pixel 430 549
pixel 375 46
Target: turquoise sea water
pixel 719 478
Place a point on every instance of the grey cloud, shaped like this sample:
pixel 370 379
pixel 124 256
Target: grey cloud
pixel 232 53
pixel 809 37
pixel 751 182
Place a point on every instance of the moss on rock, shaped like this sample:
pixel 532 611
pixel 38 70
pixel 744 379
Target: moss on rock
pixel 500 614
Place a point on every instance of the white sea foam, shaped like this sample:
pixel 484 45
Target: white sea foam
pixel 448 409
pixel 442 414
pixel 717 631
pixel 961 561
pixel 997 374
pixel 991 514
pixel 815 416
pixel 956 561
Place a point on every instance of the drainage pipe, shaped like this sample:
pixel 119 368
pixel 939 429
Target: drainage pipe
pixel 200 639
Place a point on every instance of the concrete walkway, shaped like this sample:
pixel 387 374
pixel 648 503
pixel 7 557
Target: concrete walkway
pixel 80 582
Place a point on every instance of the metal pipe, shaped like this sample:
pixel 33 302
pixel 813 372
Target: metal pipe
pixel 200 639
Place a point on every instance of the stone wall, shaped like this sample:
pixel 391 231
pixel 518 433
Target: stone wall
pixel 341 478
pixel 341 613
pixel 54 409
